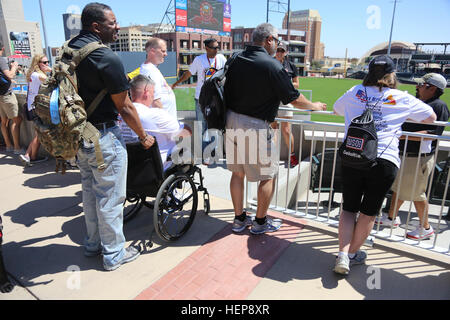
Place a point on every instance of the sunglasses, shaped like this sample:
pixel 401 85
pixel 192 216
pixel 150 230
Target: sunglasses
pixel 420 85
pixel 275 39
pixel 214 48
pixel 44 62
pixel 281 50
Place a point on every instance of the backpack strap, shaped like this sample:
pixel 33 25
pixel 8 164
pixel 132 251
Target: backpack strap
pixel 79 55
pixel 90 132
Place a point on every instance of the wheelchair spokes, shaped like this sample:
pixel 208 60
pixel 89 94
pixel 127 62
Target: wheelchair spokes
pixel 175 207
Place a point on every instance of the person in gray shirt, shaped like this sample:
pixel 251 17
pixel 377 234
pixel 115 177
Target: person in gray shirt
pixel 9 108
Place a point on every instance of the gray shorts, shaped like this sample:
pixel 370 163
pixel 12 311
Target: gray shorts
pixel 250 147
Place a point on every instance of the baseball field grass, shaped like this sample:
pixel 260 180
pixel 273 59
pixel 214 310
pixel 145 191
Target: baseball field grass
pixel 326 90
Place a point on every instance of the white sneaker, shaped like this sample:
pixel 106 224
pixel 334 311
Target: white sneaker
pixel 420 233
pixel 386 222
pixel 25 160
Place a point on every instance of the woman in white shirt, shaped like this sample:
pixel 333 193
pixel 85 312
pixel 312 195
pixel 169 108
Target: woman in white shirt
pixel 365 190
pixel 36 75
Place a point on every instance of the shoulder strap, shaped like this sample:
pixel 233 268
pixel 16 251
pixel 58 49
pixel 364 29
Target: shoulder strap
pixel 79 55
pixel 230 62
pixel 94 104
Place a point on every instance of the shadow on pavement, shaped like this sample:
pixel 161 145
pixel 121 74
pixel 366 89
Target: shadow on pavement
pixel 53 180
pixel 305 259
pixel 28 213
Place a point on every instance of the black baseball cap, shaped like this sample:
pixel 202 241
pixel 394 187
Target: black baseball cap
pixel 385 61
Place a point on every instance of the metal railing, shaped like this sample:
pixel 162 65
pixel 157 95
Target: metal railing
pixel 306 202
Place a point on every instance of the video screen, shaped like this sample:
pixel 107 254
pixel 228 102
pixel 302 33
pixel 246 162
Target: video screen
pixel 203 15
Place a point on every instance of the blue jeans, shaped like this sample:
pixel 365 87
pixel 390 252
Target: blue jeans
pixel 104 194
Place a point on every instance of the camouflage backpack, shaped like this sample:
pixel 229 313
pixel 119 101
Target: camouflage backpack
pixel 61 122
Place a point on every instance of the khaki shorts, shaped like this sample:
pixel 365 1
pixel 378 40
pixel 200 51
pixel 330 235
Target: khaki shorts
pixel 409 166
pixel 250 147
pixel 9 107
pixel 286 114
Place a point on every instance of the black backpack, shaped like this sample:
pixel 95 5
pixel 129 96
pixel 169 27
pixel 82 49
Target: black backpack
pixel 5 83
pixel 360 147
pixel 212 98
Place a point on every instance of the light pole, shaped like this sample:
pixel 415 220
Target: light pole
pixel 392 27
pixel 47 48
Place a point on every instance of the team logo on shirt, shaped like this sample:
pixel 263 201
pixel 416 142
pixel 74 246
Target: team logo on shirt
pixel 361 95
pixel 390 101
pixel 210 72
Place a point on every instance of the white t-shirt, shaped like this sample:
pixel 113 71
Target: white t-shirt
pixel 394 108
pixel 158 123
pixel 162 89
pixel 33 89
pixel 201 65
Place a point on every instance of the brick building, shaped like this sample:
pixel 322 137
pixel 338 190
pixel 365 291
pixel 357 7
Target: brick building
pixel 310 22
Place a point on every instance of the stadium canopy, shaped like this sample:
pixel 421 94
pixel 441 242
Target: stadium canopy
pixel 397 48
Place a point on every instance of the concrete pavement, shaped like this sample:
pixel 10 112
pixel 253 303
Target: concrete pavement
pixel 44 228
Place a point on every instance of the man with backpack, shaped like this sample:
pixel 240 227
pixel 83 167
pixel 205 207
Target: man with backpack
pixel 104 190
pixel 204 66
pixel 9 108
pixel 255 85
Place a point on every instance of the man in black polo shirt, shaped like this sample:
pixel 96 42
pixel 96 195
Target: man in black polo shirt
pixel 104 191
pixel 429 88
pixel 255 85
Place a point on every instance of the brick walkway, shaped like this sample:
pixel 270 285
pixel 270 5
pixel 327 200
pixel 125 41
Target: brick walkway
pixel 229 266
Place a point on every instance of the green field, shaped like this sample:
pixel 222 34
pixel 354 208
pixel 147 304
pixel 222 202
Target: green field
pixel 326 90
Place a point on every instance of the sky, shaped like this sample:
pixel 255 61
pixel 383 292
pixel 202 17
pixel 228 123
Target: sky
pixel 356 25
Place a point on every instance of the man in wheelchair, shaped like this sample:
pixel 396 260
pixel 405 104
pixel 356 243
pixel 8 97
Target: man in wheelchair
pixel 157 122
pixel 173 186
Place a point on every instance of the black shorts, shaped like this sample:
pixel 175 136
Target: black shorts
pixel 364 191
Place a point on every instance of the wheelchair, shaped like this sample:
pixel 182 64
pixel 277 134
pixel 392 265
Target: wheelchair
pixel 175 192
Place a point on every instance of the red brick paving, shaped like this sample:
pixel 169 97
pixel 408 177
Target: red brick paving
pixel 228 267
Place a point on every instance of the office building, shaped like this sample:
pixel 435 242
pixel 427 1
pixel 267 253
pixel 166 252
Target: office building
pixel 17 35
pixel 310 22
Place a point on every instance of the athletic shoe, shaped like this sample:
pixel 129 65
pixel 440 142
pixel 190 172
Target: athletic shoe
pixel 293 162
pixel 25 160
pixel 131 254
pixel 19 151
pixel 342 265
pixel 359 258
pixel 269 226
pixel 420 233
pixel 9 149
pixel 386 222
pixel 39 160
pixel 239 226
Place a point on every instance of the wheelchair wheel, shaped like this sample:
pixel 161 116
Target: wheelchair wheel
pixel 131 206
pixel 175 207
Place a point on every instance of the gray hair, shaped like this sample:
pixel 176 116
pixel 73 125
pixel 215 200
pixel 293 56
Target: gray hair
pixel 140 81
pixel 262 32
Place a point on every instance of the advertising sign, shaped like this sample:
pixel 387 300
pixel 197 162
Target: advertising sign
pixel 20 43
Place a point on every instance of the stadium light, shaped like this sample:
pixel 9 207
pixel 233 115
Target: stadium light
pixel 47 48
pixel 392 27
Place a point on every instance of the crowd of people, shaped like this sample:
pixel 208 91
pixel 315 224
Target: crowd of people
pixel 142 107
